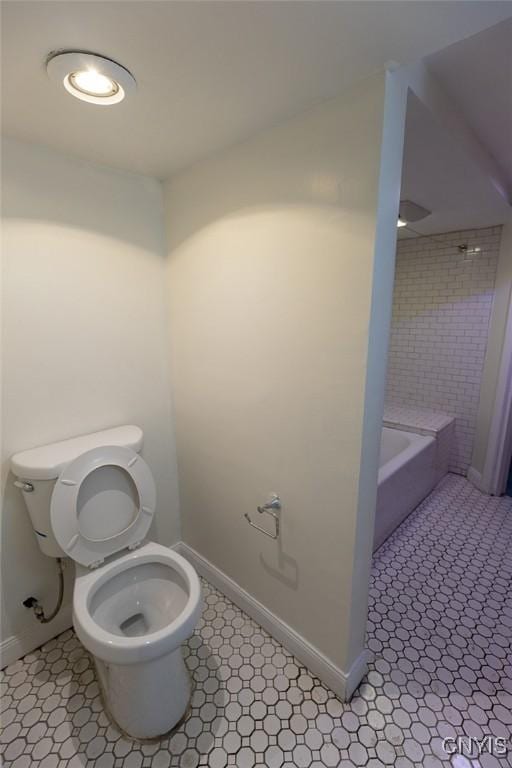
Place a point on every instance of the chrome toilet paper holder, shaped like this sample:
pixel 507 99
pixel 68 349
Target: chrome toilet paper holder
pixel 272 507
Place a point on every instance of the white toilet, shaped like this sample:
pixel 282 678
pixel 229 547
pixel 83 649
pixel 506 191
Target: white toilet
pixel 92 498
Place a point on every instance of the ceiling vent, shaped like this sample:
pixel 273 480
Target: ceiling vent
pixel 411 212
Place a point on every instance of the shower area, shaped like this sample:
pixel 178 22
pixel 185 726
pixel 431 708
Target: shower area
pixel 447 274
pixel 443 297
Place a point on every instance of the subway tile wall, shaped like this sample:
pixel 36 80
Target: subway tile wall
pixel 441 309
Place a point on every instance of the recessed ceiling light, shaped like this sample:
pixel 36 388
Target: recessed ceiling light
pixel 90 77
pixel 401 222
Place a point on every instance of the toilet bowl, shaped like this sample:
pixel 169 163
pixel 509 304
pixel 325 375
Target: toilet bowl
pixel 132 615
pixel 134 602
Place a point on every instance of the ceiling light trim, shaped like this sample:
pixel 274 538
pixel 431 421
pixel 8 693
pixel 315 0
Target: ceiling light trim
pixel 64 65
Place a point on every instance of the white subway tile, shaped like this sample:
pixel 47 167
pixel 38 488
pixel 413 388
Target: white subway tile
pixel 441 311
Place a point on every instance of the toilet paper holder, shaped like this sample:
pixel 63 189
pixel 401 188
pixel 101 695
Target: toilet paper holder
pixel 272 507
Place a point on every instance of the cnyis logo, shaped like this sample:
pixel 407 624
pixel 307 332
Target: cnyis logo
pixel 470 746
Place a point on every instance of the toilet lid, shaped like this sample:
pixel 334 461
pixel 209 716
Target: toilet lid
pixel 103 502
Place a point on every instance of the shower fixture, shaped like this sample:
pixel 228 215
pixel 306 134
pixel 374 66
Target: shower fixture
pixel 467 251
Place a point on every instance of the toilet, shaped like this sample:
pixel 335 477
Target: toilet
pixel 92 498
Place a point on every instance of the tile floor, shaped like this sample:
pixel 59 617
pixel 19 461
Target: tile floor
pixel 440 625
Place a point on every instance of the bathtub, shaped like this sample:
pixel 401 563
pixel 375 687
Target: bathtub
pixel 407 473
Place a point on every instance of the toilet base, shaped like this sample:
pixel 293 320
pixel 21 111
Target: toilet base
pixel 146 700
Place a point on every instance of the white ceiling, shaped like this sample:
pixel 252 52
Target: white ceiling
pixel 209 73
pixel 477 74
pixel 438 175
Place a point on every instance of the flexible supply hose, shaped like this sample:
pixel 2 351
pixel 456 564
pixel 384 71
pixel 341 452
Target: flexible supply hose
pixel 38 609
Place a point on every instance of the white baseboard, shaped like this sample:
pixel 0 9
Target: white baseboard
pixel 475 477
pixel 17 646
pixel 342 683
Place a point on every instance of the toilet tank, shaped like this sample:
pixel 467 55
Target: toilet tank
pixel 38 469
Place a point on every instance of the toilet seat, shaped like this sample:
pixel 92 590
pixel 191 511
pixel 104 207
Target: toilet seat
pixel 106 530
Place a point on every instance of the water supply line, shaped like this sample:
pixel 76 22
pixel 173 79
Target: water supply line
pixel 31 602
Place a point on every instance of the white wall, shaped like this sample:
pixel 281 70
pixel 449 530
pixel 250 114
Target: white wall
pixel 84 327
pixel 442 304
pixel 491 408
pixel 271 273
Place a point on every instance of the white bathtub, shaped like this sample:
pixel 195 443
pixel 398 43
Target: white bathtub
pixel 407 474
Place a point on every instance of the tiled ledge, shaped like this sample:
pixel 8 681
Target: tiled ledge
pixel 412 419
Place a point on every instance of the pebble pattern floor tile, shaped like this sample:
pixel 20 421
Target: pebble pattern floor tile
pixel 440 626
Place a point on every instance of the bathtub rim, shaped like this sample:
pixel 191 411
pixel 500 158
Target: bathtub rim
pixel 417 443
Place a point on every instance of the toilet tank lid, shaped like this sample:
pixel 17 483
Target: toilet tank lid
pixel 48 461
